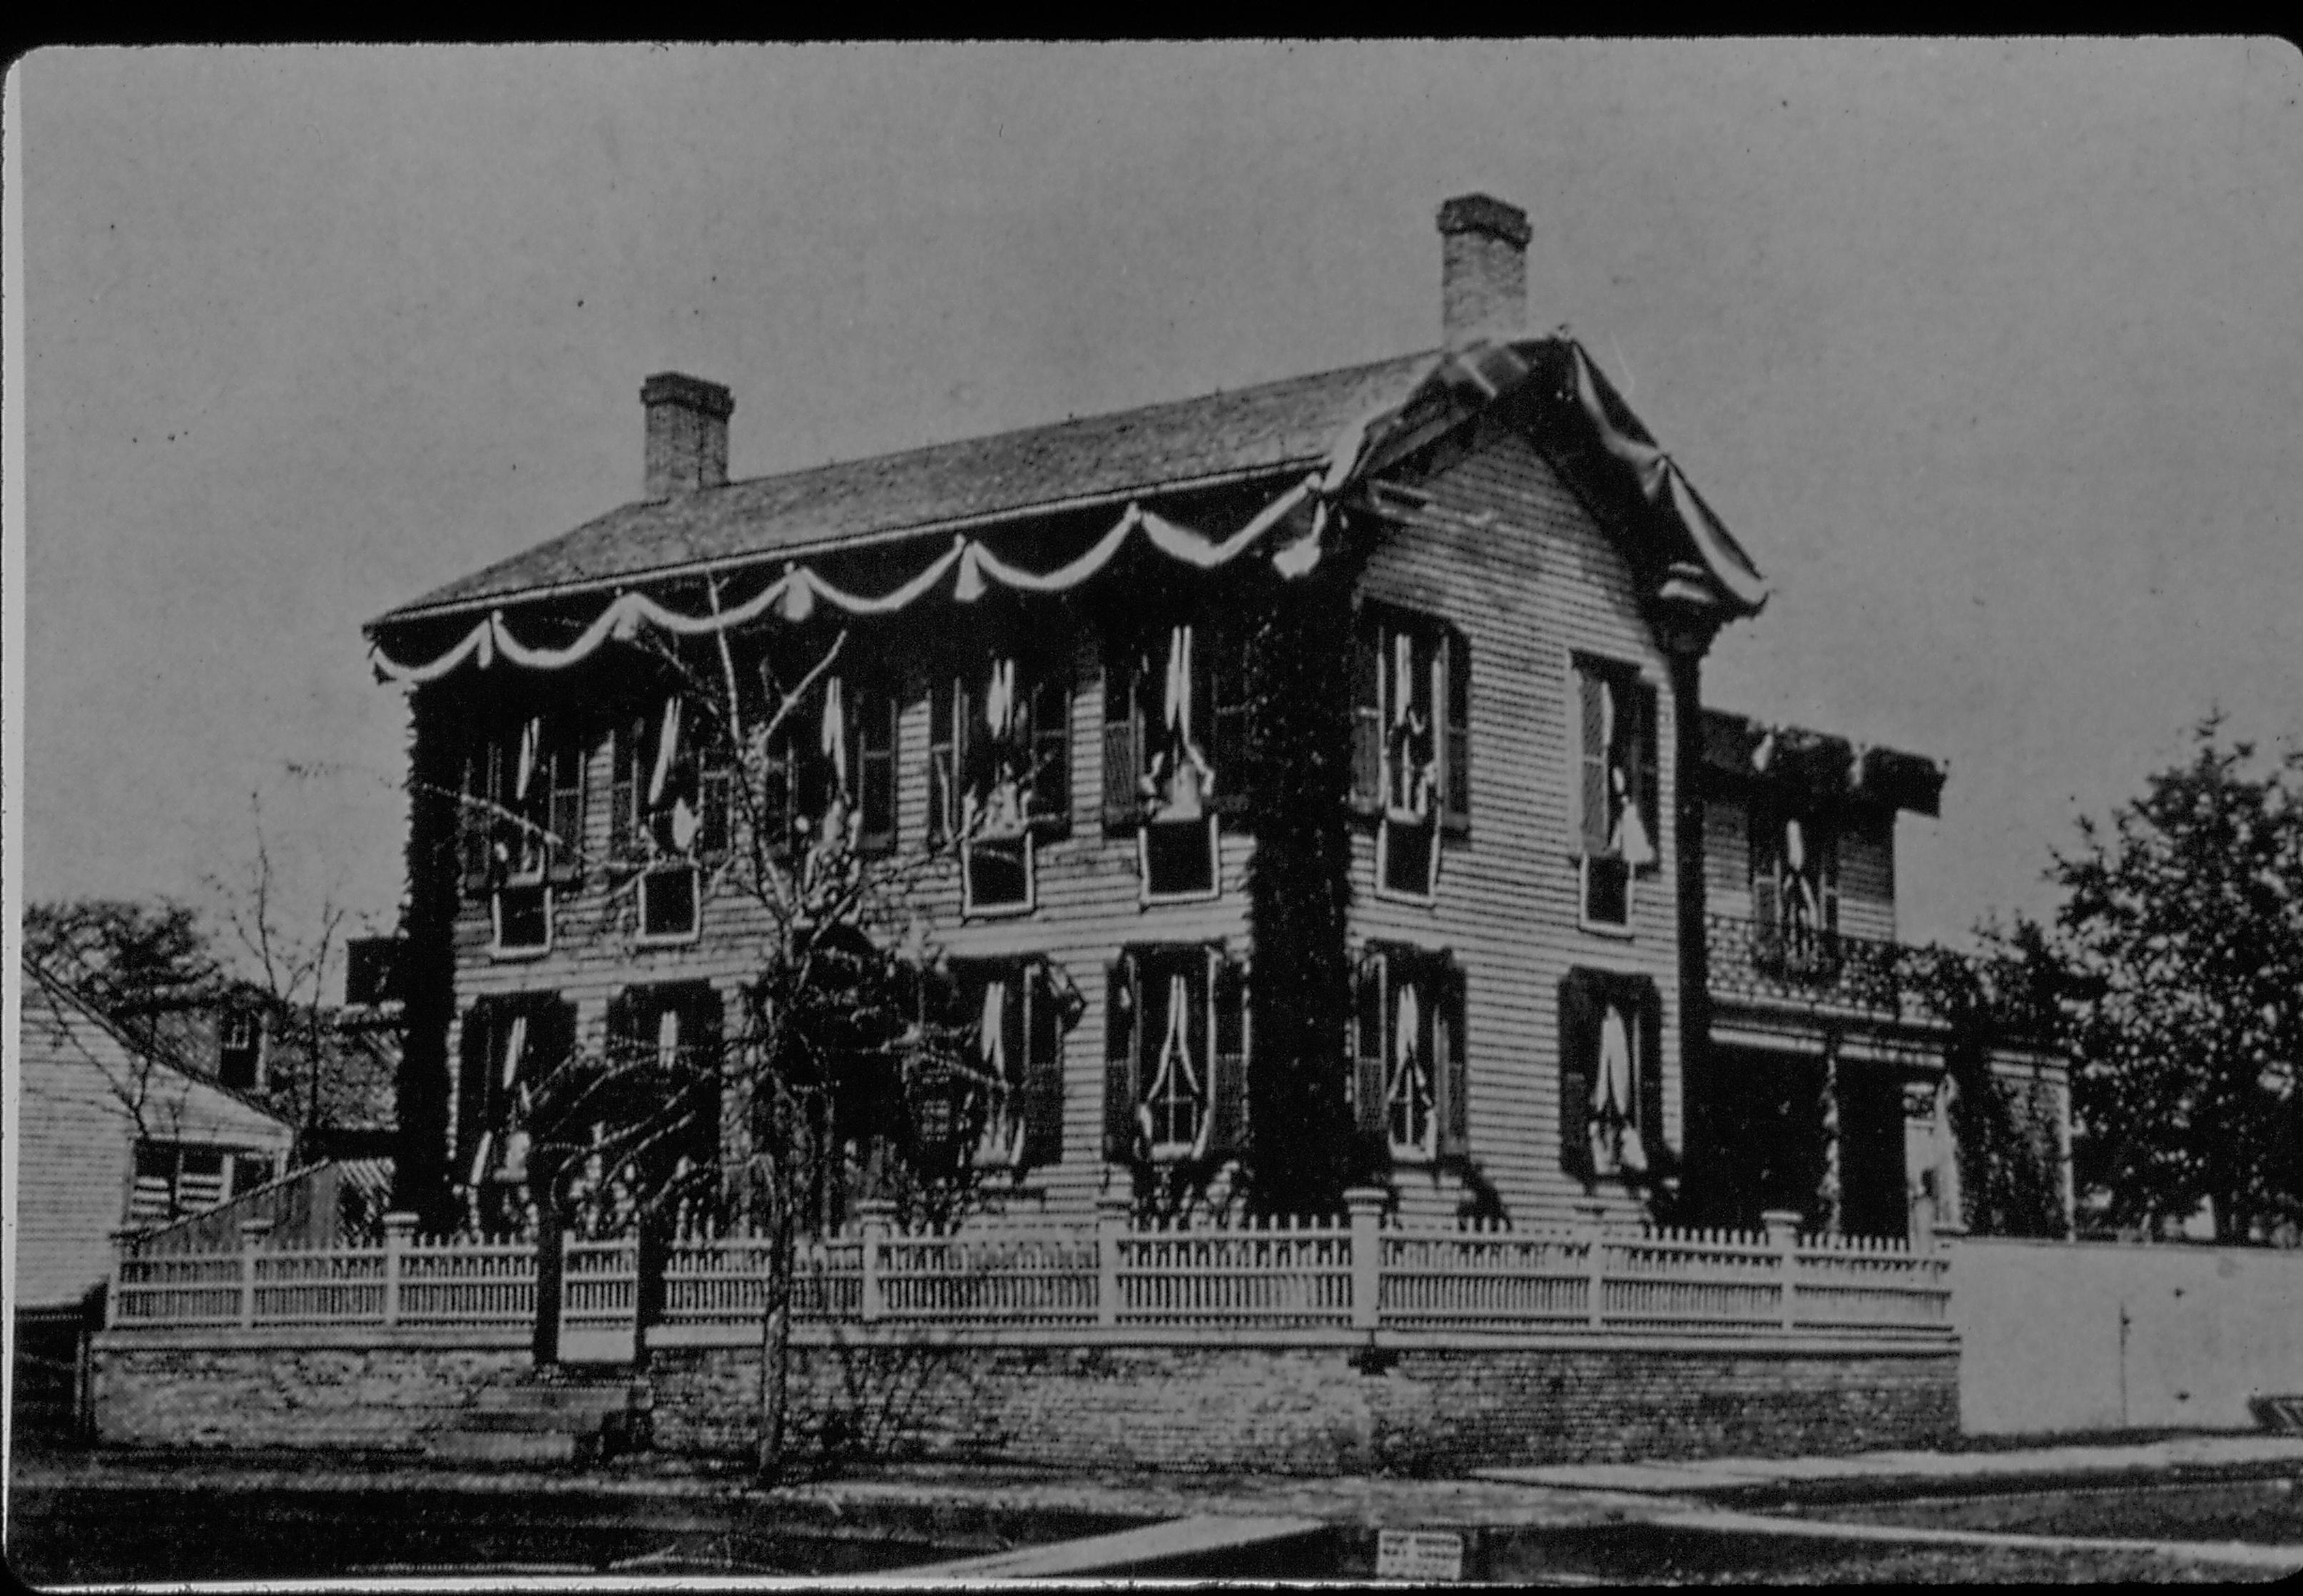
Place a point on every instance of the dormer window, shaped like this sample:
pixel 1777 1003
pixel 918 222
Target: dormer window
pixel 240 1045
pixel 1411 745
pixel 1617 795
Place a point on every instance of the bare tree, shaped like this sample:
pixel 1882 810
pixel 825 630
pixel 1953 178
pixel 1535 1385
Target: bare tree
pixel 846 1070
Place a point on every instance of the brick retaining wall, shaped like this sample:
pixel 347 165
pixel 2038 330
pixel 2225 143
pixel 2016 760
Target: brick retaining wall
pixel 1322 1408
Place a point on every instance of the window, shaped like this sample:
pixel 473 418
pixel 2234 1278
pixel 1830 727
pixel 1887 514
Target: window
pixel 1610 1076
pixel 1794 895
pixel 1617 795
pixel 1174 733
pixel 1000 776
pixel 509 1045
pixel 372 970
pixel 175 1178
pixel 240 1045
pixel 522 810
pixel 523 805
pixel 669 1037
pixel 1411 1081
pixel 831 769
pixel 1176 1069
pixel 1412 744
pixel 1021 1008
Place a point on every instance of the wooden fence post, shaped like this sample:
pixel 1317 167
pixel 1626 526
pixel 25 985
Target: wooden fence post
pixel 1783 1235
pixel 875 1212
pixel 399 1230
pixel 252 1232
pixel 1591 1216
pixel 1365 1203
pixel 1113 1211
pixel 122 1248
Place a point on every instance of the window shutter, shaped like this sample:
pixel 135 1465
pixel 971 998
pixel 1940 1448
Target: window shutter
pixel 623 790
pixel 1199 993
pixel 1594 801
pixel 1825 844
pixel 1123 748
pixel 1579 1050
pixel 474 1061
pixel 1646 777
pixel 1455 734
pixel 623 1027
pixel 1043 1071
pixel 943 770
pixel 1367 717
pixel 1122 1018
pixel 472 820
pixel 1370 1038
pixel 713 802
pixel 875 764
pixel 777 797
pixel 1225 651
pixel 1650 1086
pixel 1450 1068
pixel 1051 754
pixel 571 775
pixel 1228 1088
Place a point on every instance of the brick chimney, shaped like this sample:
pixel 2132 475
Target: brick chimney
pixel 1482 269
pixel 687 432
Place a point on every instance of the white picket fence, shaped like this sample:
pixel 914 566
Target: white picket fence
pixel 1354 1273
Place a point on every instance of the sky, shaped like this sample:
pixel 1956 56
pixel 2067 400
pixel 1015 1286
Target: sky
pixel 1991 353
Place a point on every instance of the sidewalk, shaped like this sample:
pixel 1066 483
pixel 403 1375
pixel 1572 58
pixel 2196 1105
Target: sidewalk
pixel 1013 1521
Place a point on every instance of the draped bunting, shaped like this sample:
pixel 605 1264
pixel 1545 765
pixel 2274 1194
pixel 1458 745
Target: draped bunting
pixel 794 596
pixel 1665 487
pixel 795 593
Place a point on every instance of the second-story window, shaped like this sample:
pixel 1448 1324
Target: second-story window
pixel 831 769
pixel 1412 743
pixel 1174 747
pixel 999 773
pixel 1794 892
pixel 670 802
pixel 1617 798
pixel 522 811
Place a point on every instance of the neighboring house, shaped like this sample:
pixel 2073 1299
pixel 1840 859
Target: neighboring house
pixel 1572 885
pixel 111 1135
pixel 330 1070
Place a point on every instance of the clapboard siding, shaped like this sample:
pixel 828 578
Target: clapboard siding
pixel 86 1097
pixel 1087 908
pixel 1537 583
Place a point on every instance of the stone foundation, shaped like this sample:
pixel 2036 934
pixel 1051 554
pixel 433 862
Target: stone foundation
pixel 1337 1407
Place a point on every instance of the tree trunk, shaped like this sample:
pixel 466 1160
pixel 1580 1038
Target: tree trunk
pixel 775 1344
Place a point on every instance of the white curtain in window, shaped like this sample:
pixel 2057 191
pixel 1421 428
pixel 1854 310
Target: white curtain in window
pixel 515 1045
pixel 667 1038
pixel 1410 1090
pixel 1000 697
pixel 667 750
pixel 531 742
pixel 1176 1084
pixel 1615 1132
pixel 1176 712
pixel 834 740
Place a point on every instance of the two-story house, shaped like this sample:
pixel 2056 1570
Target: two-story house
pixel 1025 661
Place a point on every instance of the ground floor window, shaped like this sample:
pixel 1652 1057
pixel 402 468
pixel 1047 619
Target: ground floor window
pixel 1175 1086
pixel 175 1178
pixel 1610 1075
pixel 1019 1009
pixel 1411 1083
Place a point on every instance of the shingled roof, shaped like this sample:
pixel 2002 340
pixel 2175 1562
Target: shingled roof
pixel 1239 433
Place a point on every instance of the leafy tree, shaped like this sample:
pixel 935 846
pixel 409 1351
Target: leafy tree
pixel 2182 938
pixel 119 952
